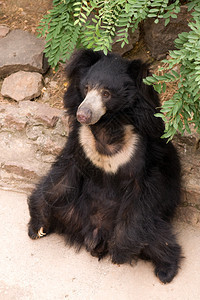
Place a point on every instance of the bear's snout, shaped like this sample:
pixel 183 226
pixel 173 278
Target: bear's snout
pixel 84 115
pixel 91 109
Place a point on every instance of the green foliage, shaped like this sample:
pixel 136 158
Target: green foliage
pixel 59 30
pixel 95 23
pixel 184 107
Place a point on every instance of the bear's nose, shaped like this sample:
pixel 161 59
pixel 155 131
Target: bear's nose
pixel 84 115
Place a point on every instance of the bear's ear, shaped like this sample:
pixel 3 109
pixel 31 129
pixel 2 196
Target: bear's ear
pixel 138 71
pixel 148 101
pixel 80 61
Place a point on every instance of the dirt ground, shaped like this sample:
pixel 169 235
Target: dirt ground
pixel 23 14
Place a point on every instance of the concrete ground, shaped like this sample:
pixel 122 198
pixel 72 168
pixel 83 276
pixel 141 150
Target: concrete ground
pixel 47 269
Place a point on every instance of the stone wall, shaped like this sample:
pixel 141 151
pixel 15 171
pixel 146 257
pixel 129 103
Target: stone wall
pixel 189 210
pixel 31 135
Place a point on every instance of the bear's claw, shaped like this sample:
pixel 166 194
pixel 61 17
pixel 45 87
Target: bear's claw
pixel 41 233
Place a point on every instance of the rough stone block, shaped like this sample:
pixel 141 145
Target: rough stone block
pixel 159 38
pixel 21 50
pixel 22 86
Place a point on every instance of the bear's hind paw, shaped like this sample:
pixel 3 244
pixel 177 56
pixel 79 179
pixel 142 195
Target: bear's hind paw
pixel 166 275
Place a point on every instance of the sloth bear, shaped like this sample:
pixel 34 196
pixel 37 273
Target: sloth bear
pixel 115 186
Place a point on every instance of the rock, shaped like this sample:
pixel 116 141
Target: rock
pixel 159 38
pixel 40 114
pixel 29 113
pixel 4 30
pixel 14 123
pixel 22 86
pixel 21 50
pixel 133 38
pixel 19 176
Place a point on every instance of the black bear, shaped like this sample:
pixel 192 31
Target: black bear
pixel 115 186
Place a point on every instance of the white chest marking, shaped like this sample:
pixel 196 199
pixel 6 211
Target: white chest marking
pixel 109 163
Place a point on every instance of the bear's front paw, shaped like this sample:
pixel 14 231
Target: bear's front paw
pixel 166 274
pixel 36 234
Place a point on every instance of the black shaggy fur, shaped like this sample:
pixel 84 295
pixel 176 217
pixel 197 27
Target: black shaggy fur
pixel 125 214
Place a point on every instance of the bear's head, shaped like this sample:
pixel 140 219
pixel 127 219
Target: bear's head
pixel 101 84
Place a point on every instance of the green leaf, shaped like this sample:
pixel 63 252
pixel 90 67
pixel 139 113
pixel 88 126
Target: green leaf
pixel 175 73
pixel 149 80
pixel 167 22
pixel 164 86
pixel 151 15
pixel 159 115
pixel 158 88
pixel 176 107
pixel 165 109
pixel 173 16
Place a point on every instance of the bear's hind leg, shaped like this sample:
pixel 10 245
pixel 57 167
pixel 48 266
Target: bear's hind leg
pixel 164 252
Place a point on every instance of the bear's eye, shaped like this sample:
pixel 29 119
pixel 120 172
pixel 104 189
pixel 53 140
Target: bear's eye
pixel 105 94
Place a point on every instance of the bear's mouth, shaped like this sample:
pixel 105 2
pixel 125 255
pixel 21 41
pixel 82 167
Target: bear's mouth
pixel 91 109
